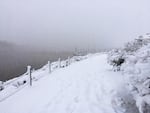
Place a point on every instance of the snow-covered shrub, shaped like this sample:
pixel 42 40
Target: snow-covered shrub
pixel 136 44
pixel 116 59
pixel 136 70
pixel 137 76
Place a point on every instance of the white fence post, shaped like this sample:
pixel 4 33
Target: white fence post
pixel 68 61
pixel 30 76
pixel 59 63
pixel 49 66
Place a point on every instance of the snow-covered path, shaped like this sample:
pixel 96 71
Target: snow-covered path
pixel 83 87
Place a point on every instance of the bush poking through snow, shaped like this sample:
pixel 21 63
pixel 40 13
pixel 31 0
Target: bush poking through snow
pixel 117 63
pixel 116 59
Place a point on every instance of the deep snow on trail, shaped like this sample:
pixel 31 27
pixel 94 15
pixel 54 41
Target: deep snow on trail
pixel 83 87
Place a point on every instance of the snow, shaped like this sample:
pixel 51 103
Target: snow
pixel 135 70
pixel 87 86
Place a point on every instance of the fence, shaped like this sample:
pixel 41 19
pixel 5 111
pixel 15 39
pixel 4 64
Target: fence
pixel 28 78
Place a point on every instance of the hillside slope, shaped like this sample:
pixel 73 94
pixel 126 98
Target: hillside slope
pixel 87 86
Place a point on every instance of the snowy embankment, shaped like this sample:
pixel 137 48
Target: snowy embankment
pixel 133 61
pixel 87 86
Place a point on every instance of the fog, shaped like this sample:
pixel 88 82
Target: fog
pixel 14 59
pixel 68 24
pixel 42 30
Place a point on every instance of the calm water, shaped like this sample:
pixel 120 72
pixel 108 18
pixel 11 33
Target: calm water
pixel 13 63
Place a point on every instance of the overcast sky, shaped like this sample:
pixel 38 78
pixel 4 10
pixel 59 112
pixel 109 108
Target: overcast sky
pixel 68 24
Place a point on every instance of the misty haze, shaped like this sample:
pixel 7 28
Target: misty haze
pixel 74 56
pixel 14 59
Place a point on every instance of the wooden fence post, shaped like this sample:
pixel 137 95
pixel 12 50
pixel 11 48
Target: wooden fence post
pixel 49 66
pixel 30 76
pixel 59 63
pixel 68 61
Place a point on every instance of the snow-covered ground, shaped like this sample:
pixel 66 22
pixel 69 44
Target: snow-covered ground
pixel 133 60
pixel 88 86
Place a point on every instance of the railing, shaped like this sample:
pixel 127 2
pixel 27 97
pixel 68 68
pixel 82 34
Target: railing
pixel 11 87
